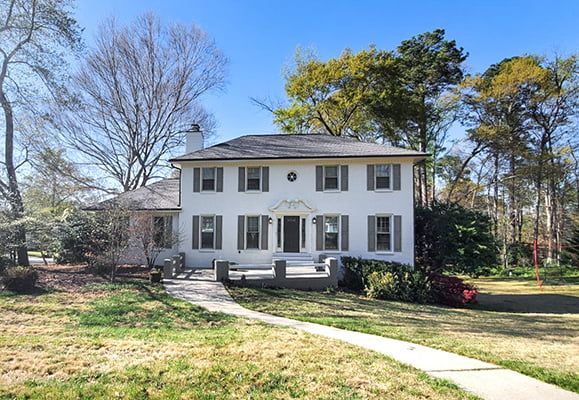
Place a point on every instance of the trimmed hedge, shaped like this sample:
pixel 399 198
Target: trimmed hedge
pixel 394 281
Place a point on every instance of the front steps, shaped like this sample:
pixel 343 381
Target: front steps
pixel 294 258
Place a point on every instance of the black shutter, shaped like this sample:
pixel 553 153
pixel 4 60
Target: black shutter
pixel 319 232
pixel 371 233
pixel 370 177
pixel 241 179
pixel 344 178
pixel 219 183
pixel 265 179
pixel 397 233
pixel 240 232
pixel 396 174
pixel 264 231
pixel 319 178
pixel 345 232
pixel 196 179
pixel 195 232
pixel 218 232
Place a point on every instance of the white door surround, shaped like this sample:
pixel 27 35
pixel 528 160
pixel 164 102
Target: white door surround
pixel 302 227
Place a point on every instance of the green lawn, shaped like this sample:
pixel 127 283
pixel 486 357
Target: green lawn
pixel 132 341
pixel 542 345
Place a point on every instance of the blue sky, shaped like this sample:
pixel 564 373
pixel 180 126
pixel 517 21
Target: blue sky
pixel 260 37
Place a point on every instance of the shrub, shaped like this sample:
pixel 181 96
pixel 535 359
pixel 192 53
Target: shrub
pixel 394 281
pixel 19 279
pixel 452 291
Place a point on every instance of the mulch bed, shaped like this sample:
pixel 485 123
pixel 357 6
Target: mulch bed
pixel 72 277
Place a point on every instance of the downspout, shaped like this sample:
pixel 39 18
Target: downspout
pixel 179 169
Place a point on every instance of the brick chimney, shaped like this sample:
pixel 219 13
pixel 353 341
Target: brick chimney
pixel 194 139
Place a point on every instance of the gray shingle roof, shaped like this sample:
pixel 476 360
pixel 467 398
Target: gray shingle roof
pixel 161 195
pixel 284 146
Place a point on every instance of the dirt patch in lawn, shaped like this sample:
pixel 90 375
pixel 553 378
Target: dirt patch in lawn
pixel 73 277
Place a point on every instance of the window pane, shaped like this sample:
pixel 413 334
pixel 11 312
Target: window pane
pixel 208 179
pixel 279 232
pixel 303 232
pixel 383 176
pixel 253 178
pixel 162 231
pixel 383 242
pixel 207 232
pixel 252 237
pixel 383 224
pixel 331 177
pixel 331 233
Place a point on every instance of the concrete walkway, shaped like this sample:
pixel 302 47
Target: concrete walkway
pixel 485 380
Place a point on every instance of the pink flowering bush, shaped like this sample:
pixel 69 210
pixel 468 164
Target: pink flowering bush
pixel 452 291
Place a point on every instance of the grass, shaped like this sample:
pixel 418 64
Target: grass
pixel 544 346
pixel 133 341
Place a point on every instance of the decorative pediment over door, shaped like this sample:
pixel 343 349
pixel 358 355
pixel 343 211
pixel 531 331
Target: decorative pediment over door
pixel 292 207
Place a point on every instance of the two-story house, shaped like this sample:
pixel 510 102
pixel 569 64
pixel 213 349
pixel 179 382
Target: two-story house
pixel 262 197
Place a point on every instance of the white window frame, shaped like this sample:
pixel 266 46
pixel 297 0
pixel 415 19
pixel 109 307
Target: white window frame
pixel 389 188
pixel 338 186
pixel 339 223
pixel 247 180
pixel 214 180
pixel 201 232
pixel 258 232
pixel 391 232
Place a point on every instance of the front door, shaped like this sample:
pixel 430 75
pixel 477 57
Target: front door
pixel 291 234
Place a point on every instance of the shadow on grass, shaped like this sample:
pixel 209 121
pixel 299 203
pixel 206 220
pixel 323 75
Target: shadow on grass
pixel 543 303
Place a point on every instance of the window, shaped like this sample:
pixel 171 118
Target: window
pixel 331 232
pixel 252 234
pixel 383 176
pixel 208 180
pixel 163 232
pixel 303 233
pixel 253 178
pixel 207 232
pixel 331 178
pixel 279 232
pixel 292 176
pixel 383 235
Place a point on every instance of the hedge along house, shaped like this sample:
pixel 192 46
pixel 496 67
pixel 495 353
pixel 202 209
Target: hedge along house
pixel 297 197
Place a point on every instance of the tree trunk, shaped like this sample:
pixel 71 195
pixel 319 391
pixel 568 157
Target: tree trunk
pixel 14 196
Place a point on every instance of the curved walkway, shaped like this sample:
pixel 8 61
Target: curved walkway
pixel 485 380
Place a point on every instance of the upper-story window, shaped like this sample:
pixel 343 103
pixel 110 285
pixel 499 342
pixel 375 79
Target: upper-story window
pixel 208 179
pixel 207 232
pixel 383 177
pixel 331 174
pixel 254 178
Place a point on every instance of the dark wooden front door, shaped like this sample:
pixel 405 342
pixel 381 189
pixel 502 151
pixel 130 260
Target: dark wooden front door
pixel 291 234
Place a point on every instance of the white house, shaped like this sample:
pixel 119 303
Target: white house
pixel 296 197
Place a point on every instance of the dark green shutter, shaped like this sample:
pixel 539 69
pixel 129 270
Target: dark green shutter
pixel 344 178
pixel 396 173
pixel 345 233
pixel 370 177
pixel 264 231
pixel 196 179
pixel 241 179
pixel 371 233
pixel 195 232
pixel 218 232
pixel 240 232
pixel 397 233
pixel 219 183
pixel 265 179
pixel 319 232
pixel 319 178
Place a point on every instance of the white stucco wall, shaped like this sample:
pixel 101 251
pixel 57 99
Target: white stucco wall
pixel 357 203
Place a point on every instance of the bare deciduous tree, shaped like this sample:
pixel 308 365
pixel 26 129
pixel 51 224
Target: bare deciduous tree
pixel 137 93
pixel 35 37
